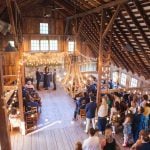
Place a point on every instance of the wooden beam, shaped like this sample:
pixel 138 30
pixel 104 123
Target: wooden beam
pixel 110 24
pixel 99 8
pixel 143 14
pixel 4 130
pixel 67 26
pixel 100 59
pixel 134 37
pixel 147 41
pixel 95 23
pixel 80 26
pixel 133 63
pixel 66 8
pixel 141 64
pixel 11 18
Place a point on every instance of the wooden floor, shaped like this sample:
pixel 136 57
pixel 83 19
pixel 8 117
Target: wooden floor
pixel 55 129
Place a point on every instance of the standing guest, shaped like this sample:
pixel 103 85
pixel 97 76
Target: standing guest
pixel 147 116
pixel 138 122
pixel 109 143
pixel 90 113
pixel 38 78
pixel 54 79
pixel 139 141
pixel 145 145
pixel 127 131
pixel 92 142
pixel 111 84
pixel 46 78
pixel 145 99
pixel 102 115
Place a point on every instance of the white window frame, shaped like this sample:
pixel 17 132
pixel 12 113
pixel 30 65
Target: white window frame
pixel 44 28
pixel 123 80
pixel 44 45
pixel 115 76
pixel 134 82
pixel 71 46
pixel 53 45
pixel 35 45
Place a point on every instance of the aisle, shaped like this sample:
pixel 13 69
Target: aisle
pixel 56 131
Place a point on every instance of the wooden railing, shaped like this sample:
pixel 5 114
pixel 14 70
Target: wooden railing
pixel 141 90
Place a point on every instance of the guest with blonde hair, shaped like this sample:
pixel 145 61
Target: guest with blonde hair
pixel 102 115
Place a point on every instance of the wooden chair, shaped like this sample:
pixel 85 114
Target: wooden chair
pixel 31 121
pixel 82 114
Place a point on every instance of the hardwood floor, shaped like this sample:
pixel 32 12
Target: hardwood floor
pixel 55 129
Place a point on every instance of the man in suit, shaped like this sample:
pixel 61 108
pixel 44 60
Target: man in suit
pixel 54 79
pixel 90 113
pixel 38 78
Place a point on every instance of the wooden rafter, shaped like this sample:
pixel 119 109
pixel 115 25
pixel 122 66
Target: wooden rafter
pixel 66 8
pixel 144 16
pixel 136 53
pixel 110 24
pixel 11 17
pixel 80 26
pixel 134 37
pixel 137 25
pixel 133 62
pixel 99 8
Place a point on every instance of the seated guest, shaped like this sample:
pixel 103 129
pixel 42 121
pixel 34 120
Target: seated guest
pixel 36 98
pixel 90 113
pixel 29 85
pixel 145 139
pixel 109 143
pixel 92 142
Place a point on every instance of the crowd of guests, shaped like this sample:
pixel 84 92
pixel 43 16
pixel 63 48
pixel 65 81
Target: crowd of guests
pixel 124 112
pixel 47 77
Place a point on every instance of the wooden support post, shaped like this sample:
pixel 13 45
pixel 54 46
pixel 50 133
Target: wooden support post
pixel 11 18
pixel 4 130
pixel 100 60
pixel 109 26
pixel 20 98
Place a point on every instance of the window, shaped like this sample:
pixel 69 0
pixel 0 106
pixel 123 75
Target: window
pixel 12 43
pixel 35 45
pixel 53 45
pixel 123 79
pixel 88 67
pixel 133 82
pixel 71 46
pixel 43 28
pixel 44 45
pixel 115 76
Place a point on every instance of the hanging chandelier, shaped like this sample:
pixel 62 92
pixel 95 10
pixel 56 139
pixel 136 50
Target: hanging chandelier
pixel 74 81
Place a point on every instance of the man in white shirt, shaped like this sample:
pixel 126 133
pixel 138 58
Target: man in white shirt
pixel 91 143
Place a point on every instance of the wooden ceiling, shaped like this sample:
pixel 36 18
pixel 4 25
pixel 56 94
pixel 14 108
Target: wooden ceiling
pixel 130 31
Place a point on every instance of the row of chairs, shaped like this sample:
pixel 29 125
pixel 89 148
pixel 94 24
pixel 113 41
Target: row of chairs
pixel 31 118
